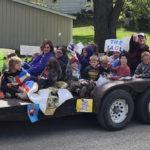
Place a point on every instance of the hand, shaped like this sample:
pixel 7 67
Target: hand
pixel 76 51
pixel 108 76
pixel 135 37
pixel 9 85
pixel 137 76
pixel 109 64
pixel 27 56
pixel 107 52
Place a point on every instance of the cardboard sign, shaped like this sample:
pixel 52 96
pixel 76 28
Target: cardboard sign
pixel 125 45
pixel 30 50
pixel 6 51
pixel 114 45
pixel 72 47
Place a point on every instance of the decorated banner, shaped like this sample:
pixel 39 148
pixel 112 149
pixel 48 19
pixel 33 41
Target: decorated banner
pixel 114 45
pixel 6 51
pixel 72 47
pixel 84 105
pixel 30 50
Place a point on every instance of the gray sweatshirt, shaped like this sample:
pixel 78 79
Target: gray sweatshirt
pixel 143 70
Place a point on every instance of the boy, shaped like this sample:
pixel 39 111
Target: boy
pixel 123 70
pixel 143 69
pixel 91 72
pixel 73 76
pixel 87 52
pixel 104 65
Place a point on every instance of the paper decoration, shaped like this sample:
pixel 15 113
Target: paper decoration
pixel 84 105
pixel 30 50
pixel 113 45
pixel 32 111
pixel 6 51
pixel 72 47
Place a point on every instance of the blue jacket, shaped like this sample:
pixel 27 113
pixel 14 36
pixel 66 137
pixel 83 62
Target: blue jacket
pixel 38 64
pixel 84 61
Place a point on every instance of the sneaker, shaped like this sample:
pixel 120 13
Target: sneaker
pixel 92 91
pixel 83 91
pixel 8 95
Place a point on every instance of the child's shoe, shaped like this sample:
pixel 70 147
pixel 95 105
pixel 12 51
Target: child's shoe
pixel 2 95
pixel 83 91
pixel 92 91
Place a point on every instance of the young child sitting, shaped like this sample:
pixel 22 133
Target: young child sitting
pixel 73 76
pixel 104 65
pixel 7 58
pixel 143 69
pixel 123 70
pixel 15 79
pixel 87 52
pixel 91 72
pixel 51 73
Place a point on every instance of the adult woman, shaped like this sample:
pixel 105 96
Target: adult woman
pixel 63 60
pixel 39 62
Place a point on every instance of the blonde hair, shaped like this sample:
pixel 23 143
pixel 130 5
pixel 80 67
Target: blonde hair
pixel 12 62
pixel 145 54
pixel 93 58
pixel 105 57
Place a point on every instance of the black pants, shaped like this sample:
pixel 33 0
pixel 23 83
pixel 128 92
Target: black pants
pixel 11 91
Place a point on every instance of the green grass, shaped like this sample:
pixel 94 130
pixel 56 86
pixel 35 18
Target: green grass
pixel 86 34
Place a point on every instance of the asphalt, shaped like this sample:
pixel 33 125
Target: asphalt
pixel 80 132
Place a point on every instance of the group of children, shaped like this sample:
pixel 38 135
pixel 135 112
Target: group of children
pixel 16 80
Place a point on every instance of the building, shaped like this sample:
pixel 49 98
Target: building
pixel 23 23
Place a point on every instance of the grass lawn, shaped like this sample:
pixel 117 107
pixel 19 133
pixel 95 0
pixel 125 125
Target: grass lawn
pixel 86 34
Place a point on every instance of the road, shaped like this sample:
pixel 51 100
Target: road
pixel 80 132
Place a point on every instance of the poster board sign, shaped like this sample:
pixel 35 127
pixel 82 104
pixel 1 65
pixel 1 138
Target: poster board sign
pixel 114 45
pixel 30 50
pixel 80 47
pixel 6 51
pixel 126 41
pixel 72 47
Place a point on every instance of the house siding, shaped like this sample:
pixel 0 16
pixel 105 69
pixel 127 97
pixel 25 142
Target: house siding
pixel 24 25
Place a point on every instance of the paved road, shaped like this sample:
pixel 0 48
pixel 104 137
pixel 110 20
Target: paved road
pixel 80 132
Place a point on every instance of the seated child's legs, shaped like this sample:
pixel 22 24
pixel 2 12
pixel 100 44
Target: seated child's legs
pixel 8 90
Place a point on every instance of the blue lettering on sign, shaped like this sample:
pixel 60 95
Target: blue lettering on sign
pixel 111 48
pixel 115 41
pixel 120 43
pixel 112 41
pixel 72 46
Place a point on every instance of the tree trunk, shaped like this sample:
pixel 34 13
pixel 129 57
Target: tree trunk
pixel 105 20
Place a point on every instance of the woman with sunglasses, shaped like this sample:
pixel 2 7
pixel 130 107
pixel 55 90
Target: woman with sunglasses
pixel 62 57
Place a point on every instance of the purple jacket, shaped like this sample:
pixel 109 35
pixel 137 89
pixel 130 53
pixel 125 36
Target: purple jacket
pixel 84 61
pixel 38 64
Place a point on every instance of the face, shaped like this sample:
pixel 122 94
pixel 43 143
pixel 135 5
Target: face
pixel 17 67
pixel 59 53
pixel 93 63
pixel 116 54
pixel 146 60
pixel 123 60
pixel 141 40
pixel 85 53
pixel 104 63
pixel 74 65
pixel 46 49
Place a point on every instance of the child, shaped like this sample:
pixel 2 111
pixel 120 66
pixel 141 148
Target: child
pixel 7 58
pixel 91 72
pixel 73 76
pixel 104 65
pixel 123 70
pixel 87 52
pixel 14 80
pixel 51 73
pixel 143 69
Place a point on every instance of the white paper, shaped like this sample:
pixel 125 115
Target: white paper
pixel 64 95
pixel 43 107
pixel 80 47
pixel 114 45
pixel 126 41
pixel 72 47
pixel 6 51
pixel 30 50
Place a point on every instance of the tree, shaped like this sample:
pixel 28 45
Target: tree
pixel 106 14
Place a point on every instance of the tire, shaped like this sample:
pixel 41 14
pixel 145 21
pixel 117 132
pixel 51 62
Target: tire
pixel 116 110
pixel 142 107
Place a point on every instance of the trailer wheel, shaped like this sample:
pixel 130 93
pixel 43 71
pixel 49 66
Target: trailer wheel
pixel 116 110
pixel 142 106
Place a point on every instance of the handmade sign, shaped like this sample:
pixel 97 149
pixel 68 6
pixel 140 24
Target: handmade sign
pixel 80 47
pixel 84 105
pixel 72 47
pixel 114 45
pixel 6 51
pixel 126 41
pixel 30 50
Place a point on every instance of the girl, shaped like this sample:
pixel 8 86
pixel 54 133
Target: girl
pixel 51 73
pixel 14 80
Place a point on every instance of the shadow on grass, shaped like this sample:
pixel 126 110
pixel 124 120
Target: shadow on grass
pixel 83 38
